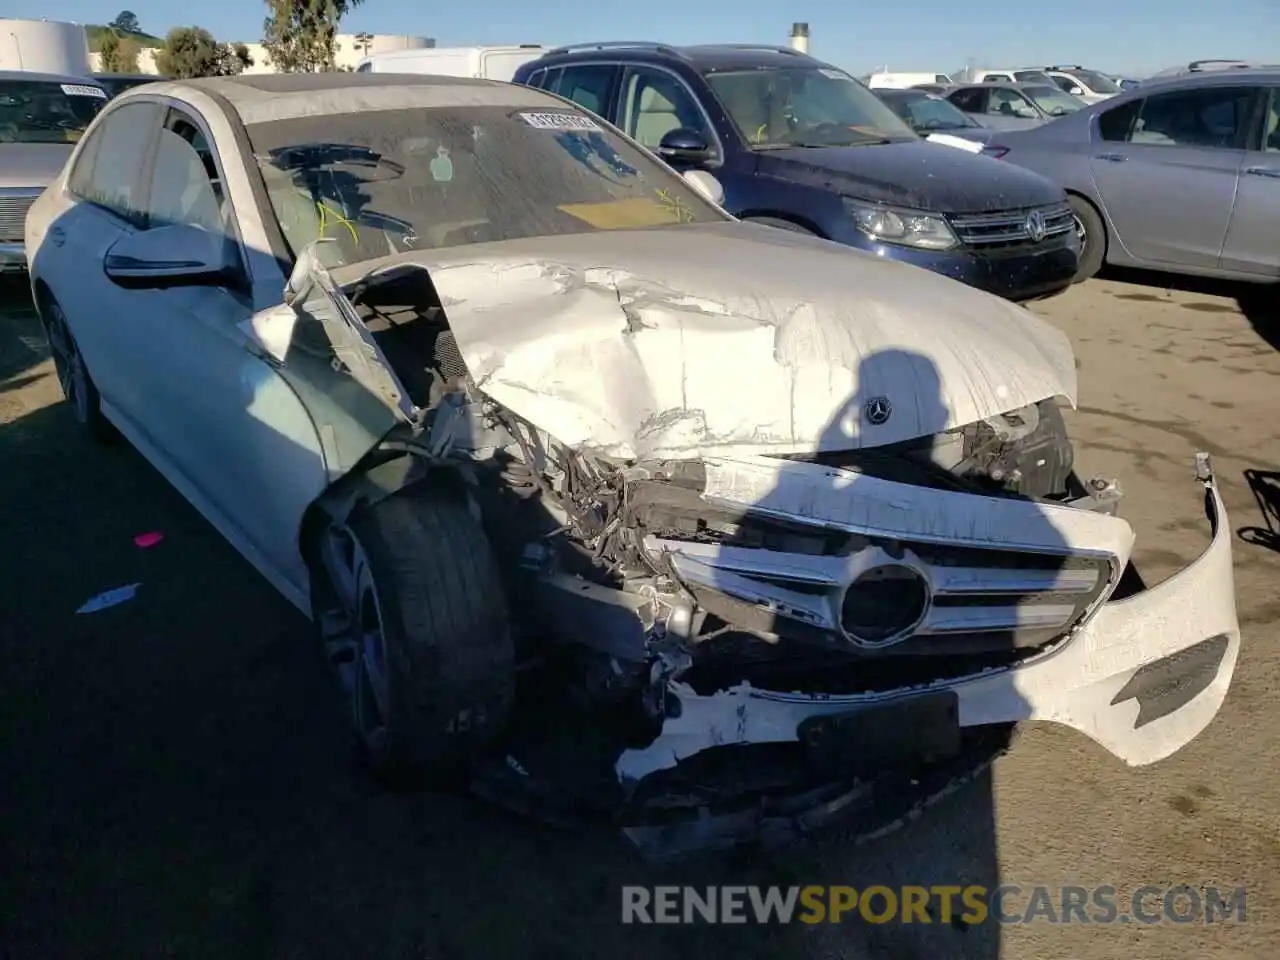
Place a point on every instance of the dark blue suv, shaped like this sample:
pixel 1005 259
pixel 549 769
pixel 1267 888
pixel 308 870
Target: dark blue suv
pixel 801 145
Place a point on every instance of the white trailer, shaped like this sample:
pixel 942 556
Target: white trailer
pixel 44 46
pixel 484 63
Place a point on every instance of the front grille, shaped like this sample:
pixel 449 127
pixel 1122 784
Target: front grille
pixel 13 216
pixel 981 599
pixel 1009 228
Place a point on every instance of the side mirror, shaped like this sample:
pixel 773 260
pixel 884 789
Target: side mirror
pixel 684 146
pixel 172 256
pixel 1076 91
pixel 706 184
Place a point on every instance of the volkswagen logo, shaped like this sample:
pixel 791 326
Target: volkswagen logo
pixel 1035 226
pixel 877 411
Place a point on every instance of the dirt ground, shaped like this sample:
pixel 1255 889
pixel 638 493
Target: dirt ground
pixel 175 777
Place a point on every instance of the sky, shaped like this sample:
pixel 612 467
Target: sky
pixel 1134 37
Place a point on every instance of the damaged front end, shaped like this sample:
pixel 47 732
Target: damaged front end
pixel 723 641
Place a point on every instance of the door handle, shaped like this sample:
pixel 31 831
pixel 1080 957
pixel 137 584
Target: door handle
pixel 1111 157
pixel 57 236
pixel 1273 172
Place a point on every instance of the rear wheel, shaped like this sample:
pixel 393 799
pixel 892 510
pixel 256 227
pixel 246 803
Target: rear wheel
pixel 73 376
pixel 1092 233
pixel 409 602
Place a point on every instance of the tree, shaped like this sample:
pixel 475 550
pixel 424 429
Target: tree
pixel 126 21
pixel 299 34
pixel 119 54
pixel 192 52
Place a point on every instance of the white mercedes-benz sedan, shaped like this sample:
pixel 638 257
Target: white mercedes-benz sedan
pixel 595 494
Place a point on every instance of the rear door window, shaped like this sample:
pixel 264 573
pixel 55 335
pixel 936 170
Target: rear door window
pixel 970 101
pixel 588 85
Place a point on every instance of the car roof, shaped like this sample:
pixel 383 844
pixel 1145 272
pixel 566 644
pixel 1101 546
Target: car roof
pixel 1003 85
pixel 264 97
pixel 140 77
pixel 45 77
pixel 1213 78
pixel 710 57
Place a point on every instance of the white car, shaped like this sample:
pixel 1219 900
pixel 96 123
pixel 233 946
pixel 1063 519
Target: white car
pixel 583 481
pixel 1087 85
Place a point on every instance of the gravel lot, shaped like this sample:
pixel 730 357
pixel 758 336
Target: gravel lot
pixel 176 781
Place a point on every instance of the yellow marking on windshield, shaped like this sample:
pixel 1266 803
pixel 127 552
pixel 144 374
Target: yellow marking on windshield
pixel 326 212
pixel 760 133
pixel 676 205
pixel 621 214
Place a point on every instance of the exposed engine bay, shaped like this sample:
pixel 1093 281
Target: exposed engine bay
pixel 629 576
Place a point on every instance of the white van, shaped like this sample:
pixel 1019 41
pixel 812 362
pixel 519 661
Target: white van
pixel 483 63
pixel 903 81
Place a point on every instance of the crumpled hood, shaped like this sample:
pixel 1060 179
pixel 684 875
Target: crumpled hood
pixel 32 164
pixel 732 337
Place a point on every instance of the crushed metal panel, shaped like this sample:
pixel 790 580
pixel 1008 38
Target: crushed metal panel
pixel 311 291
pixel 723 339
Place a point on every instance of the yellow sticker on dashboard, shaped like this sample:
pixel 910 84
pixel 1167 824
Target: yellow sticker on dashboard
pixel 621 214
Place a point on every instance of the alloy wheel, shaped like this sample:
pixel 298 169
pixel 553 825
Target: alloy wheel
pixel 352 630
pixel 68 364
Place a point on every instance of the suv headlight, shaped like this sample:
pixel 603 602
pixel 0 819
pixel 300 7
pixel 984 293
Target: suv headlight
pixel 907 228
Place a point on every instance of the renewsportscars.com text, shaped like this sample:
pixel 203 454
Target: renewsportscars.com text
pixel 969 905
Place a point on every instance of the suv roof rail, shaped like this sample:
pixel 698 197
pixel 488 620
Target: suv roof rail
pixel 617 45
pixel 772 48
pixel 1197 65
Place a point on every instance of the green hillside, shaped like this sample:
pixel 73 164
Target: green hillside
pixel 97 32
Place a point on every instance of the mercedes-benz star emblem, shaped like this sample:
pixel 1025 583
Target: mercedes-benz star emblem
pixel 1035 226
pixel 877 410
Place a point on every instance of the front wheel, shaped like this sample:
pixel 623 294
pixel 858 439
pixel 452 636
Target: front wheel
pixel 1092 233
pixel 409 602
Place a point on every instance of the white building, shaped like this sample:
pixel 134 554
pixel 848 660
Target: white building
pixel 44 46
pixel 349 50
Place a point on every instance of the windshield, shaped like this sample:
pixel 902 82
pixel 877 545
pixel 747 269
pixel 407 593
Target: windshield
pixel 1095 81
pixel 43 111
pixel 393 180
pixel 927 112
pixel 1031 76
pixel 805 107
pixel 1054 102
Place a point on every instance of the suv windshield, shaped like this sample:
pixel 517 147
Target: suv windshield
pixel 1031 76
pixel 44 111
pixel 1054 102
pixel 805 107
pixel 388 181
pixel 1095 81
pixel 926 112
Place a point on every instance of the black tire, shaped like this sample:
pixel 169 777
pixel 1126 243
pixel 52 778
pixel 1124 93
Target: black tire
pixel 73 376
pixel 1093 237
pixel 423 570
pixel 780 224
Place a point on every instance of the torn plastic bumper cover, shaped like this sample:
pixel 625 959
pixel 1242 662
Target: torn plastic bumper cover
pixel 1142 677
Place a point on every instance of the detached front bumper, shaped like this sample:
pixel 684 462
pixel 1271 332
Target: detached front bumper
pixel 1142 676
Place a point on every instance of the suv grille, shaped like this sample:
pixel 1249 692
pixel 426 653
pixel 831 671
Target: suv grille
pixel 1010 228
pixel 13 215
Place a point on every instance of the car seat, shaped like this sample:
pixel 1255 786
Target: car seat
pixel 655 118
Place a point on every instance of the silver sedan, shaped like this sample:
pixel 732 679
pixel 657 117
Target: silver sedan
pixel 1178 175
pixel 581 479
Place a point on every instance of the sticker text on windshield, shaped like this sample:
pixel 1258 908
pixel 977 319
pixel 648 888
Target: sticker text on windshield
pixel 559 121
pixel 83 90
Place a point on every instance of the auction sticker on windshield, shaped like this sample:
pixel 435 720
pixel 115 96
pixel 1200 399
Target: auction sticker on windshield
pixel 559 121
pixel 83 90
